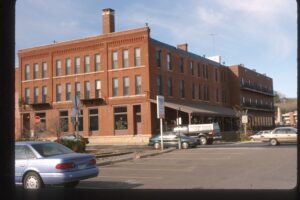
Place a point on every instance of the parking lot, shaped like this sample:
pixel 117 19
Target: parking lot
pixel 231 166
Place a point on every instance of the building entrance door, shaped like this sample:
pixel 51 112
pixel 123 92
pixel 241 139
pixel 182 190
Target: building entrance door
pixel 137 119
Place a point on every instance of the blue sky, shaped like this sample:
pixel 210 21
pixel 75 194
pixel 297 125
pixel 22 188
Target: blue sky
pixel 261 34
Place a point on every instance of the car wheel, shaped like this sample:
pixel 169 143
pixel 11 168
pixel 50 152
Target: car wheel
pixel 32 181
pixel 273 142
pixel 185 145
pixel 71 184
pixel 203 140
pixel 156 145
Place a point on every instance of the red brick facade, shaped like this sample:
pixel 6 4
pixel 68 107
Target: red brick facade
pixel 132 69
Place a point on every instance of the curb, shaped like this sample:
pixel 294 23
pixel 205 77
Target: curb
pixel 133 156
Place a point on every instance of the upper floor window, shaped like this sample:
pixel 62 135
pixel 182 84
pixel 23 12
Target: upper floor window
pixel 36 71
pixel 159 85
pixel 77 89
pixel 192 67
pixel 58 68
pixel 68 92
pixel 115 87
pixel 125 86
pixel 200 92
pixel 137 57
pixel 169 62
pixel 44 70
pixel 27 95
pixel 97 62
pixel 58 92
pixel 98 89
pixel 45 93
pixel 125 58
pixel 216 75
pixel 193 90
pixel 77 65
pixel 114 60
pixel 170 87
pixel 86 64
pixel 158 58
pixel 205 71
pixel 181 88
pixel 27 72
pixel 87 89
pixel 68 66
pixel 138 84
pixel 36 94
pixel 199 70
pixel 217 95
pixel 181 65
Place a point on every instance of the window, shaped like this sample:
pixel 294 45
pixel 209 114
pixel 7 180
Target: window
pixel 192 67
pixel 58 92
pixel 199 70
pixel 120 115
pixel 68 91
pixel 169 64
pixel 170 87
pixel 217 95
pixel 137 57
pixel 200 92
pixel 77 65
pixel 216 75
pixel 27 95
pixel 125 58
pixel 68 66
pixel 27 72
pixel 115 87
pixel 36 95
pixel 97 62
pixel 93 120
pixel 23 152
pixel 206 93
pixel 181 65
pixel 80 120
pixel 87 89
pixel 45 93
pixel 158 58
pixel 98 89
pixel 77 89
pixel 224 97
pixel 193 91
pixel 58 68
pixel 86 64
pixel 125 86
pixel 63 121
pixel 205 71
pixel 159 85
pixel 114 60
pixel 181 88
pixel 44 70
pixel 36 71
pixel 138 84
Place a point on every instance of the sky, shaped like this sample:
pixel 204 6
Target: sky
pixel 261 35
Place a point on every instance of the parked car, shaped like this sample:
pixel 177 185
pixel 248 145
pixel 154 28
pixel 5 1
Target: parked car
pixel 257 136
pixel 281 135
pixel 171 139
pixel 40 163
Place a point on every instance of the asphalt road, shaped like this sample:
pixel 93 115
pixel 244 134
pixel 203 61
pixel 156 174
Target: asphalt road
pixel 220 166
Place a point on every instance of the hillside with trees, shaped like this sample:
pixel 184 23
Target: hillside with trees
pixel 284 103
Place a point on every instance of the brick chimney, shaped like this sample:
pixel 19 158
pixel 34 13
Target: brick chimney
pixel 182 46
pixel 108 20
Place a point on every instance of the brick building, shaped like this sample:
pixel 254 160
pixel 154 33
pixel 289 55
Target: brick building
pixel 253 94
pixel 117 76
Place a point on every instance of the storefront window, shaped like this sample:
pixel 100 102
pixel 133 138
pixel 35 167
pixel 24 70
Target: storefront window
pixel 120 114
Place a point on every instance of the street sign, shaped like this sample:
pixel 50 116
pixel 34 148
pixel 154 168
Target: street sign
pixel 76 102
pixel 160 106
pixel 37 119
pixel 244 119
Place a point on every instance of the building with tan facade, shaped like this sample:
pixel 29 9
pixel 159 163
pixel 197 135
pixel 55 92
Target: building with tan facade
pixel 116 77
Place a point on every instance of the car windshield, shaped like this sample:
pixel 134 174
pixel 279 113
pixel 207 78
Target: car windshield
pixel 51 149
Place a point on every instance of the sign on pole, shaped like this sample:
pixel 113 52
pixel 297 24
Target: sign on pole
pixel 244 119
pixel 160 106
pixel 160 115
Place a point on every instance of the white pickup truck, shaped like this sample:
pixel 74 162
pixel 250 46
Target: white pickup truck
pixel 206 133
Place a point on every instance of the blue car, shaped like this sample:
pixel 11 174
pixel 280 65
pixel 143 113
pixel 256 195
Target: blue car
pixel 39 163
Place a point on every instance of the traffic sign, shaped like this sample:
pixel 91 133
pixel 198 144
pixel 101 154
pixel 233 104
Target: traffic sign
pixel 160 106
pixel 37 119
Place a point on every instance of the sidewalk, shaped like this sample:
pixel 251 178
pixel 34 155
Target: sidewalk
pixel 108 154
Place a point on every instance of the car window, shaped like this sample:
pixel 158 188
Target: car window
pixel 20 153
pixel 29 153
pixel 51 149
